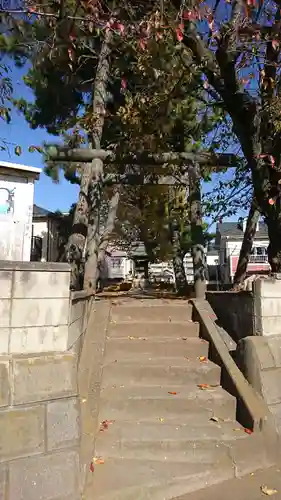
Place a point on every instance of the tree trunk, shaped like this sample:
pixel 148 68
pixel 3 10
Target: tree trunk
pixel 247 244
pixel 180 277
pixel 99 111
pixel 76 242
pixel 97 258
pixel 197 236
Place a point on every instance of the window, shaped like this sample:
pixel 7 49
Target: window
pixel 115 261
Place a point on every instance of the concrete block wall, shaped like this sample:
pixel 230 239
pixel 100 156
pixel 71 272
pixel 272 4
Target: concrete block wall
pixel 267 306
pixel 234 311
pixel 39 427
pixel 42 327
pixel 259 358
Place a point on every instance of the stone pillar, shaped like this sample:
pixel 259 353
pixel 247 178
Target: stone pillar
pixel 267 306
pixel 259 356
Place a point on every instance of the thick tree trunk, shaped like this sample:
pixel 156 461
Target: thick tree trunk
pixel 180 277
pixel 76 242
pixel 99 111
pixel 247 244
pixel 179 271
pixel 94 272
pixel 197 236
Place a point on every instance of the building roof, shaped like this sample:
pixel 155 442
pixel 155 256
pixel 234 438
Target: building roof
pixel 16 166
pixel 231 230
pixel 41 212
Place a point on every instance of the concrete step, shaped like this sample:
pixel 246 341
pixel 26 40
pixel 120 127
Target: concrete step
pixel 158 361
pixel 216 400
pixel 155 410
pixel 153 329
pixel 127 479
pixel 122 349
pixel 163 312
pixel 207 443
pixel 132 374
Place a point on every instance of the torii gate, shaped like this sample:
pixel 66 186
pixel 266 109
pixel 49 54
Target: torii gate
pixel 192 164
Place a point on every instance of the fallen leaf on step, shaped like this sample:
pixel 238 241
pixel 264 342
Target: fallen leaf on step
pixel 142 338
pixel 98 460
pixel 203 359
pixel 105 424
pixel 203 387
pixel 161 419
pixel 184 338
pixel 214 419
pixel 92 468
pixel 267 491
pixel 131 338
pixel 237 429
pixel 248 431
pixel 173 393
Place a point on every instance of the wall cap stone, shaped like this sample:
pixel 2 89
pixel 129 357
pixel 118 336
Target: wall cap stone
pixel 6 265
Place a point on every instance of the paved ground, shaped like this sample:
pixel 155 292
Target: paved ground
pixel 246 488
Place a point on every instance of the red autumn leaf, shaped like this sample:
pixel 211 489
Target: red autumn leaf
pixel 92 467
pixel 188 15
pixel 173 393
pixel 248 431
pixel 179 32
pixel 124 83
pixel 142 44
pixel 271 201
pixel 70 54
pixel 211 22
pixel 121 28
pixel 105 424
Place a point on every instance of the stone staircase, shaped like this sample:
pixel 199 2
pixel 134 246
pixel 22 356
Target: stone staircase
pixel 167 427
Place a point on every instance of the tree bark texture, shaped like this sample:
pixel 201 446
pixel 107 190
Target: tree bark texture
pixel 96 184
pixel 197 236
pixel 76 242
pixel 247 245
pixel 97 258
pixel 179 271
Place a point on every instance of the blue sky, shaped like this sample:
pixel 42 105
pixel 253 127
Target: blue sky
pixel 47 194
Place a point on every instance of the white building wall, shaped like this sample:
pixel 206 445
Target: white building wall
pixel 16 207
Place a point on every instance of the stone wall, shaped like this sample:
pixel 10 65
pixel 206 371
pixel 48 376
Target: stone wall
pixel 267 306
pixel 41 330
pixel 260 360
pixel 234 311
